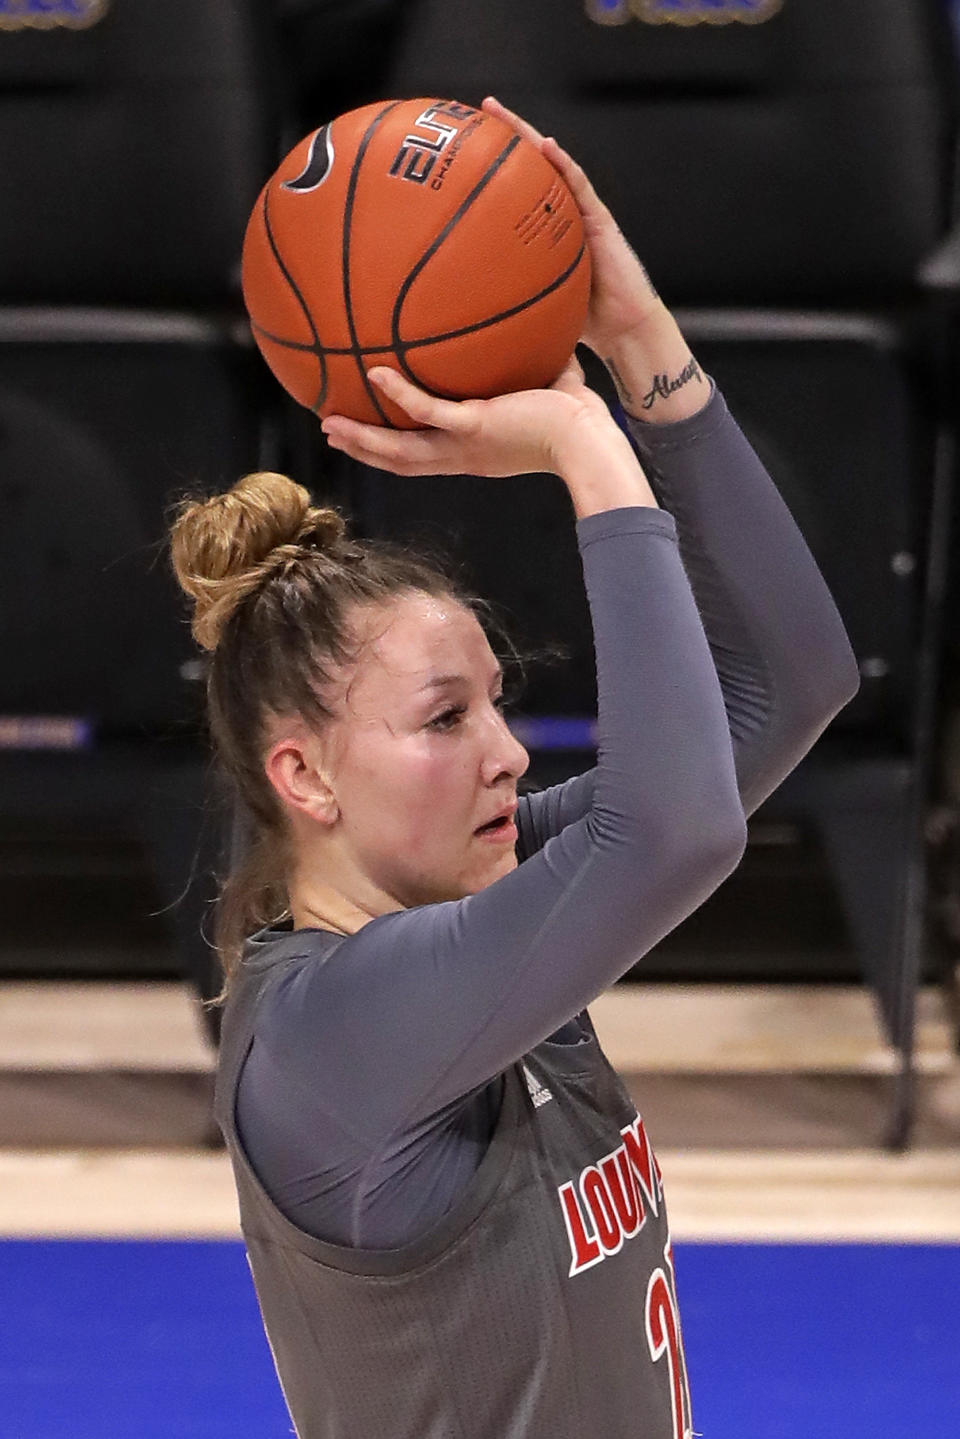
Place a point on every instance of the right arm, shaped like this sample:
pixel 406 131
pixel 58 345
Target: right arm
pixel 423 1006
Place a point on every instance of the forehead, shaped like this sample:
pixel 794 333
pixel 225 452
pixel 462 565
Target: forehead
pixel 418 637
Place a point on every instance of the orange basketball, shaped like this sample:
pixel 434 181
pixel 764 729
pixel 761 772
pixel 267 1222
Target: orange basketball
pixel 421 234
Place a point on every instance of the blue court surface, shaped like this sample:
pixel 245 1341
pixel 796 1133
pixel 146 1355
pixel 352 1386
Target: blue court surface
pixel 138 1340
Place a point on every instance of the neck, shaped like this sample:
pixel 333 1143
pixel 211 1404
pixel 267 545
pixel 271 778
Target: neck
pixel 327 891
pixel 318 906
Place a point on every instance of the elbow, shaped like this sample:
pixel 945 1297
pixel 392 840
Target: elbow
pixel 715 841
pixel 722 843
pixel 804 718
pixel 838 683
pixel 702 864
pixel 853 684
pixel 811 690
pixel 846 681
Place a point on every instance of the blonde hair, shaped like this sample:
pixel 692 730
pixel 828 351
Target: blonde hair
pixel 274 582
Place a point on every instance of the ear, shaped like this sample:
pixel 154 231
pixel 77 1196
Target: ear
pixel 294 766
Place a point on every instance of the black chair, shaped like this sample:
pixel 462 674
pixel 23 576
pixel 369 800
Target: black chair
pixel 133 151
pixel 785 181
pixel 335 55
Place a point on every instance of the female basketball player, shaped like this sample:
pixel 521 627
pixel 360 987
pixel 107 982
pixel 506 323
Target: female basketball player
pixel 453 1215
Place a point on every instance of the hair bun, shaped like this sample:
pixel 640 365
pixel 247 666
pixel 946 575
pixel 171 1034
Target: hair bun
pixel 223 547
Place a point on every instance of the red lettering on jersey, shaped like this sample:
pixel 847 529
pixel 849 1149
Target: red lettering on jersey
pixel 600 1204
pixel 645 1167
pixel 668 1256
pixel 583 1246
pixel 622 1186
pixel 612 1207
pixel 663 1338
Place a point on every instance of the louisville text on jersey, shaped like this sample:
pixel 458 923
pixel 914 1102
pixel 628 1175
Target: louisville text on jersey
pixel 611 1200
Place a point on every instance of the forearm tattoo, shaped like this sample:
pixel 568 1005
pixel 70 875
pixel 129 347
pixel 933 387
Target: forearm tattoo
pixel 664 387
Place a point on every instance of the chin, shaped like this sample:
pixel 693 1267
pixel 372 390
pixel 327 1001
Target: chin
pixel 496 871
pixel 461 888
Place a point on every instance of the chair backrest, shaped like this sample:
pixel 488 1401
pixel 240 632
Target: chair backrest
pixel 134 144
pixel 836 427
pixel 803 157
pixel 97 439
pixel 70 613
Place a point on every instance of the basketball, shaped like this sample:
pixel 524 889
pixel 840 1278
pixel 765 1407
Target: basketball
pixel 422 234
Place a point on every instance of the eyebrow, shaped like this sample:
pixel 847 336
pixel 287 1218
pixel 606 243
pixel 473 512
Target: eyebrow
pixel 436 682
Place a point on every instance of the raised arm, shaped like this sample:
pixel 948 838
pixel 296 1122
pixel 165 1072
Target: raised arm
pixel 780 649
pixel 419 1008
pixel 782 655
pixel 778 643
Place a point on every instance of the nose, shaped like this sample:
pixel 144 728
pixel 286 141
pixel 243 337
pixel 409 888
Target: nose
pixel 505 754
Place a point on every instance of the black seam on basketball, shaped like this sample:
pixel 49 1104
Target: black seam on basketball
pixel 398 347
pixel 306 349
pixel 319 352
pixel 503 315
pixel 355 349
pixel 319 349
pixel 405 345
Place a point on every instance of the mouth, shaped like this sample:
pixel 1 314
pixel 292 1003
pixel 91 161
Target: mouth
pixel 501 827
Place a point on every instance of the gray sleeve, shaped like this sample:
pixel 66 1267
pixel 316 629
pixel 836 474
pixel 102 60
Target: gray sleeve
pixel 778 643
pixel 423 1006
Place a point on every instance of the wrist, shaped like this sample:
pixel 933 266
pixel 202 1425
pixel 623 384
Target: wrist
pixel 647 330
pixel 602 473
pixel 657 378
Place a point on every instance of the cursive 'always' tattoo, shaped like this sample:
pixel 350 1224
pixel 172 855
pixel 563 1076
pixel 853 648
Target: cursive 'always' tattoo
pixel 664 387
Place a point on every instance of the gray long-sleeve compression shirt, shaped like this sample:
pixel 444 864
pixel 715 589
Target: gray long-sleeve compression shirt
pixel 373 1084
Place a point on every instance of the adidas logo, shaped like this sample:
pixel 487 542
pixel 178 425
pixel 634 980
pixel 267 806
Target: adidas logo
pixel 538 1092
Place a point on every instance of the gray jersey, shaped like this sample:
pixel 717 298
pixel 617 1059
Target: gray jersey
pixel 541 1306
pixel 369 1159
pixel 531 1293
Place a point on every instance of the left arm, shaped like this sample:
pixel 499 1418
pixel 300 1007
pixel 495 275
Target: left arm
pixel 780 650
pixel 778 643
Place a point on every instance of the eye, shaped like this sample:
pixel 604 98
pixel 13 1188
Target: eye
pixel 448 719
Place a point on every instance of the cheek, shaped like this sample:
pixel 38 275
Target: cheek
pixel 417 788
pixel 437 788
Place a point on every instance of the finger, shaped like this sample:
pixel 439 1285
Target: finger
pixel 389 466
pixel 571 377
pixel 575 369
pixel 426 409
pixel 575 176
pixel 396 464
pixel 523 127
pixel 401 451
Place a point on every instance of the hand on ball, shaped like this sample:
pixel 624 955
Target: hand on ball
pixel 622 297
pixel 526 432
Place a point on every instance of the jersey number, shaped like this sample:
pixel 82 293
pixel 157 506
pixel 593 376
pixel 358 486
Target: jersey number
pixel 663 1337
